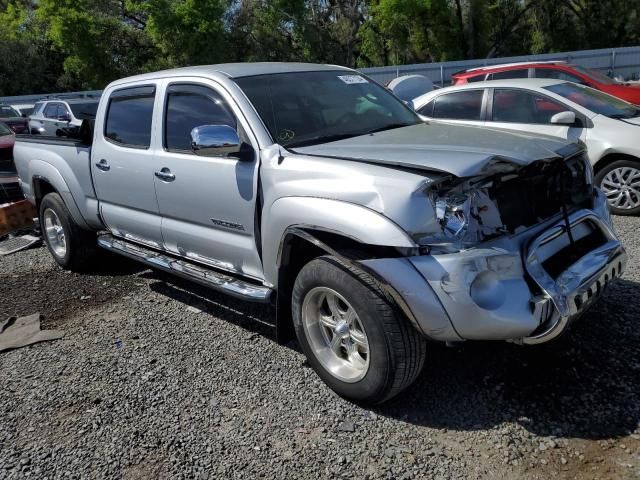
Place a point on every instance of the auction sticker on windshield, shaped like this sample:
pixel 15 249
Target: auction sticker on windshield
pixel 351 79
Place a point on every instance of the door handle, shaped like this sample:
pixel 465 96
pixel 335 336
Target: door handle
pixel 103 165
pixel 166 175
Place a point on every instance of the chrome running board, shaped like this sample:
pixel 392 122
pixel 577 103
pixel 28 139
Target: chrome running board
pixel 204 276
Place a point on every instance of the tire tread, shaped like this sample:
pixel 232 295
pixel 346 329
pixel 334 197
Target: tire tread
pixel 407 346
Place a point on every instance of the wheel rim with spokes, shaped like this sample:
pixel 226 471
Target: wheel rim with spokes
pixel 335 334
pixel 622 188
pixel 55 233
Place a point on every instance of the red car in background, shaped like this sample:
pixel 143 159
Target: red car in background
pixel 558 70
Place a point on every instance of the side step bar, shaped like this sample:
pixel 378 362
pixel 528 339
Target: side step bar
pixel 199 274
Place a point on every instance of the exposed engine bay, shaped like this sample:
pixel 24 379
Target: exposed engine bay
pixel 473 210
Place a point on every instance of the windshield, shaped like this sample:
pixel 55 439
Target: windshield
pixel 7 112
pixel 84 111
pixel 307 108
pixel 597 76
pixel 595 100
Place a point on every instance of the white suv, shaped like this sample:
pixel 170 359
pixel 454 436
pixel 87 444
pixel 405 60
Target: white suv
pixel 51 115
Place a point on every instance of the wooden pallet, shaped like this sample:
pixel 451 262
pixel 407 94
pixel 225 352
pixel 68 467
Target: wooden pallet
pixel 16 216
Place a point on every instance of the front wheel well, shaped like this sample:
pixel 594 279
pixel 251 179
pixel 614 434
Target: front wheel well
pixel 609 158
pixel 299 247
pixel 41 188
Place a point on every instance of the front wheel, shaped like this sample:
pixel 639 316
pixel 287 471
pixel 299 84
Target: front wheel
pixel 352 334
pixel 620 182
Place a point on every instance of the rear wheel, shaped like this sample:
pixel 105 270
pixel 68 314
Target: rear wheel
pixel 352 334
pixel 72 247
pixel 620 182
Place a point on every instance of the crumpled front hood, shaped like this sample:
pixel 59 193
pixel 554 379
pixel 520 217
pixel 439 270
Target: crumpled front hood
pixel 460 150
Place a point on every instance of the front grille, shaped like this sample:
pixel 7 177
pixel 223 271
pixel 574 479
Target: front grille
pixel 539 190
pixel 543 309
pixel 590 294
pixel 567 256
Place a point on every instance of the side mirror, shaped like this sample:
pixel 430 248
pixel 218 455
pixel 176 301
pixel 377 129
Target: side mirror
pixel 65 118
pixel 24 115
pixel 215 141
pixel 564 118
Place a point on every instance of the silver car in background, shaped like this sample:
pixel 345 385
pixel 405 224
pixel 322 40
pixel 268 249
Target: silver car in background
pixel 50 116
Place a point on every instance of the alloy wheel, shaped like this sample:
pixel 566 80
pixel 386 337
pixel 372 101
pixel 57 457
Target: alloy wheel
pixel 55 233
pixel 335 334
pixel 622 188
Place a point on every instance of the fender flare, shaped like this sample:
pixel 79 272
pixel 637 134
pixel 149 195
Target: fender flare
pixel 43 171
pixel 350 220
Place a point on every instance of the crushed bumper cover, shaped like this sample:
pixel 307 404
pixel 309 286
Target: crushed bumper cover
pixel 502 290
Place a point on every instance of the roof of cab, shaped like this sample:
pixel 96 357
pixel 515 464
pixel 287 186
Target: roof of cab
pixel 234 70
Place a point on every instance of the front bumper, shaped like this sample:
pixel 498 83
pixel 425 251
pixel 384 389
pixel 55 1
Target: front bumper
pixel 502 290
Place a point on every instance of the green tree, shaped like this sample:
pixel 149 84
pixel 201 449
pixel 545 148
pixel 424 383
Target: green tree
pixel 409 31
pixel 100 39
pixel 185 32
pixel 29 63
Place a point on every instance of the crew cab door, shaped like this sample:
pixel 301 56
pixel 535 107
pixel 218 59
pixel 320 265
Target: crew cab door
pixel 122 164
pixel 208 204
pixel 525 110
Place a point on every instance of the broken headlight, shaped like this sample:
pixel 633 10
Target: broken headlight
pixel 467 218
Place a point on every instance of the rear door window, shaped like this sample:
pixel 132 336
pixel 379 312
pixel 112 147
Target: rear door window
pixel 462 105
pixel 51 110
pixel 509 74
pixel 129 116
pixel 519 106
pixel 189 106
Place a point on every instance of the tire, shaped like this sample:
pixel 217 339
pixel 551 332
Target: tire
pixel 619 176
pixel 72 247
pixel 386 360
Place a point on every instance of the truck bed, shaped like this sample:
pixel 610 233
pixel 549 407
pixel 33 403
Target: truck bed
pixel 50 140
pixel 65 164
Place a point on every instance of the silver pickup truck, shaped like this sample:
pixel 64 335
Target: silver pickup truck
pixel 312 187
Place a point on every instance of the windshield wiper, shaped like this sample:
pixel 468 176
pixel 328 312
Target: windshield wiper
pixel 391 126
pixel 342 136
pixel 322 139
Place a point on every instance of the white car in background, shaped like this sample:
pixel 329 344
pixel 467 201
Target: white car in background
pixel 610 127
pixel 50 116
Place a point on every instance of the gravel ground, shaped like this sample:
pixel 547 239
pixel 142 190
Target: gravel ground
pixel 158 378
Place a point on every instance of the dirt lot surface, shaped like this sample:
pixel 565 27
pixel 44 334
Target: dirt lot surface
pixel 158 378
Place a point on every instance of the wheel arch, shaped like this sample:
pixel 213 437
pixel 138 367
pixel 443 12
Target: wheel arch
pixel 300 245
pixel 45 184
pixel 611 157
